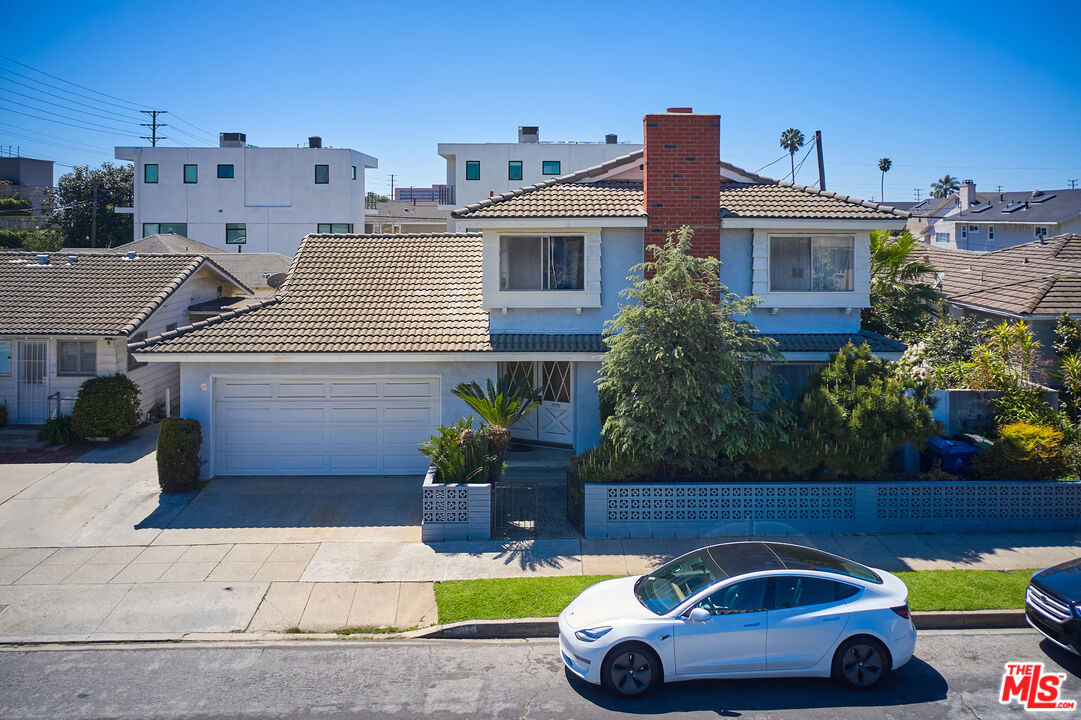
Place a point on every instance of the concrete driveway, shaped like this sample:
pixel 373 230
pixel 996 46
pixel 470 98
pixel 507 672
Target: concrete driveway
pixel 110 497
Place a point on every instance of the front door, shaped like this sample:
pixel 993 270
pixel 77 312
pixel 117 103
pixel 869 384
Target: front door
pixel 553 421
pixel 33 379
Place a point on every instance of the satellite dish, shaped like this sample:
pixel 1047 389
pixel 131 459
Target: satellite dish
pixel 275 281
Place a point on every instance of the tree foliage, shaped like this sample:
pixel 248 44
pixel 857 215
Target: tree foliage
pixel 903 299
pixel 945 186
pixel 500 405
pixel 792 140
pixel 852 415
pixel 70 205
pixel 680 369
pixel 884 166
pixel 1067 336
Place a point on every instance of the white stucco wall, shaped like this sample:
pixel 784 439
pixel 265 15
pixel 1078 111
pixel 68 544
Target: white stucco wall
pixel 272 191
pixel 494 159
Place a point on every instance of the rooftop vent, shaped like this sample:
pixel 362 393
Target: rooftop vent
pixel 1037 193
pixel 131 254
pixel 43 259
pixel 72 259
pixel 315 141
pixel 611 139
pixel 232 139
pixel 528 134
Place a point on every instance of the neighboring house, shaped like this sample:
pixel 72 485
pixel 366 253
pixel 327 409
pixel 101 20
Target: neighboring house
pixel 406 217
pixel 479 170
pixel 435 194
pixel 255 270
pixel 1035 283
pixel 27 178
pixel 67 317
pixel 265 199
pixel 353 362
pixel 985 222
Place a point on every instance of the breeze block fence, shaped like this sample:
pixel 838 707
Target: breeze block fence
pixel 455 511
pixel 629 510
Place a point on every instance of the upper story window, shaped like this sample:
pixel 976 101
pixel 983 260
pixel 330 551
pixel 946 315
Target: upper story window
pixel 942 237
pixel 326 228
pixel 225 171
pixel 810 263
pixel 322 174
pixel 165 228
pixel 236 233
pixel 550 167
pixel 472 169
pixel 990 232
pixel 554 262
pixel 150 173
pixel 1041 232
pixel 354 172
pixel 964 232
pixel 77 357
pixel 514 170
pixel 973 228
pixel 191 174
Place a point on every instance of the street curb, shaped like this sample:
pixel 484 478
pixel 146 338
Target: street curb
pixel 548 627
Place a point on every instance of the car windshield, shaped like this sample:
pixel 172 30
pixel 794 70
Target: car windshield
pixel 665 588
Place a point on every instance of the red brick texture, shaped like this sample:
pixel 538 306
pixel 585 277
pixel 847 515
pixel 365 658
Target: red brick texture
pixel 682 178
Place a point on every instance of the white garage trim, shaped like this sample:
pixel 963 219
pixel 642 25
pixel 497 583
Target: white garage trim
pixel 313 425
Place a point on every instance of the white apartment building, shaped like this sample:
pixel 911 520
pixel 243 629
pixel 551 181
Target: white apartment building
pixel 476 171
pixel 251 198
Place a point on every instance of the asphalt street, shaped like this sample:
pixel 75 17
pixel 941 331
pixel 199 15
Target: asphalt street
pixel 955 675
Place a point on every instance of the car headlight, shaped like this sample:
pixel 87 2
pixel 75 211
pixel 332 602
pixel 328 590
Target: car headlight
pixel 592 634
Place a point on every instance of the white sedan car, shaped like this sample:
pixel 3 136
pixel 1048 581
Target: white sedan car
pixel 740 610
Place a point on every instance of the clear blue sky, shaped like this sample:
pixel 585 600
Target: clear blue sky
pixel 985 90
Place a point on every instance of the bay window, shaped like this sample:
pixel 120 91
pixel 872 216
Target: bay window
pixel 548 262
pixel 810 263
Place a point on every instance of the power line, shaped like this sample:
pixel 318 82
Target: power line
pixel 208 134
pixel 60 97
pixel 96 92
pixel 65 107
pixel 153 125
pixel 113 131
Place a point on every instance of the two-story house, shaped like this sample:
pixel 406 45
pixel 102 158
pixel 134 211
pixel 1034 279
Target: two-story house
pixel 352 363
pixel 985 222
pixel 262 199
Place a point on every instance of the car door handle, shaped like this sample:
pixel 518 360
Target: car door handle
pixel 831 618
pixel 754 624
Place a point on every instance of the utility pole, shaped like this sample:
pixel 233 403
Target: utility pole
pixel 1073 184
pixel 821 164
pixel 998 188
pixel 153 125
pixel 94 215
pixel 917 194
pixel 391 176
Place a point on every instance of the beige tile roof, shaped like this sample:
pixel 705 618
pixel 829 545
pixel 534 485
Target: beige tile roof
pixel 783 200
pixel 1029 279
pixel 99 294
pixel 576 195
pixel 358 293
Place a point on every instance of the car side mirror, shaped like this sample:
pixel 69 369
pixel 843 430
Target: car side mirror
pixel 698 615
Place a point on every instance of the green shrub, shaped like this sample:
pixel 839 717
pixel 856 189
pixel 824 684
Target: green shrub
pixel 42 241
pixel 606 463
pixel 1023 451
pixel 10 205
pixel 57 431
pixel 460 454
pixel 3 414
pixel 12 238
pixel 107 407
pixel 1067 336
pixel 852 415
pixel 179 440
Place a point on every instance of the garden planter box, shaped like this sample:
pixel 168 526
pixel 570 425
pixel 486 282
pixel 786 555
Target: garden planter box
pixel 455 511
pixel 627 510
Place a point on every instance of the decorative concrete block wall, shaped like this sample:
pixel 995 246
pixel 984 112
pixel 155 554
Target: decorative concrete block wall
pixel 736 509
pixel 455 512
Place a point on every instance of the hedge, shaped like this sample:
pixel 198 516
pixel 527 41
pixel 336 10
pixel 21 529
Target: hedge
pixel 106 407
pixel 179 441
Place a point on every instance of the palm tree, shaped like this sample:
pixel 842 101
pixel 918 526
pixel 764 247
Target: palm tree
pixel 945 187
pixel 903 297
pixel 500 405
pixel 884 165
pixel 792 140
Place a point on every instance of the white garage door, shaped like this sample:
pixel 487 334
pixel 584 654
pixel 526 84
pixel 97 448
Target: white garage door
pixel 323 426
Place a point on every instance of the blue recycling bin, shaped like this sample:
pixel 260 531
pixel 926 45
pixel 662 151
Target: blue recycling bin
pixel 955 455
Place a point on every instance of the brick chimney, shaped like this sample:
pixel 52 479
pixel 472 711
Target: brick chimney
pixel 682 180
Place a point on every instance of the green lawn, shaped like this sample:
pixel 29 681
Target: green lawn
pixel 547 596
pixel 966 589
